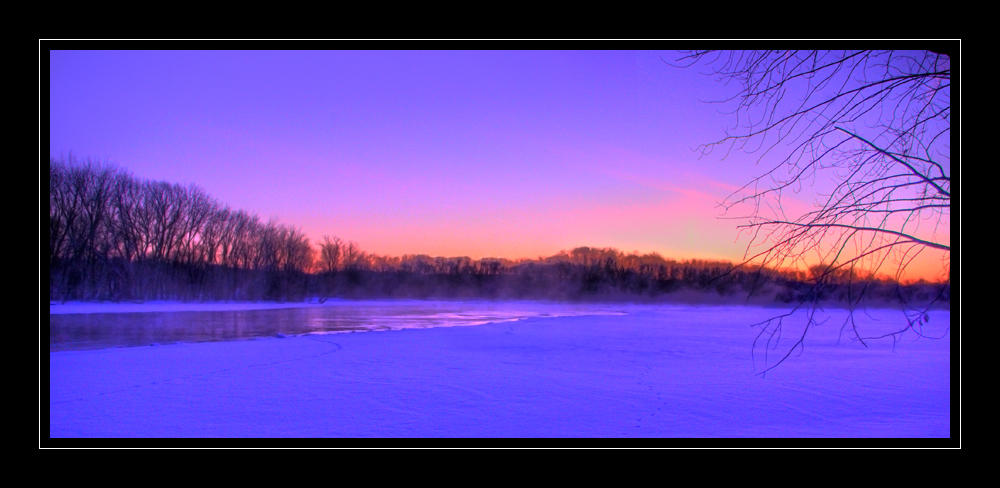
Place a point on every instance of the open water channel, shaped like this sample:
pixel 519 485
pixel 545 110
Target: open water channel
pixel 81 331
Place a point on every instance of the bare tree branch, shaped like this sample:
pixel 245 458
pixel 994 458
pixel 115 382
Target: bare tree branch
pixel 868 132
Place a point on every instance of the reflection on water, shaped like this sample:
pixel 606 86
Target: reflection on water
pixel 103 330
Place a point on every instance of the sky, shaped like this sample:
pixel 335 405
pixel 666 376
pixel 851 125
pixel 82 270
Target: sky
pixel 479 154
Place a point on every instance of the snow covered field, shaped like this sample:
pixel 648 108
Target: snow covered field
pixel 659 371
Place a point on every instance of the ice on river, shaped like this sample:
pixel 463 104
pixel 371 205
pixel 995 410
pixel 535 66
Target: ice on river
pixel 548 370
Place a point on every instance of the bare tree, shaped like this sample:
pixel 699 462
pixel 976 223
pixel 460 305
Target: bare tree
pixel 868 132
pixel 353 256
pixel 331 251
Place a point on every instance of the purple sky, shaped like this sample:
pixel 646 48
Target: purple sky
pixel 505 154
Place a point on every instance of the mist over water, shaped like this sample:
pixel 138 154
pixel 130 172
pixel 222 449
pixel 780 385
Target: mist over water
pixel 82 331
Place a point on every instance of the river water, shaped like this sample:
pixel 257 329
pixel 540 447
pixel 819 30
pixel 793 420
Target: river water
pixel 81 331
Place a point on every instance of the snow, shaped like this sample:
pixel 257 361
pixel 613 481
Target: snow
pixel 660 371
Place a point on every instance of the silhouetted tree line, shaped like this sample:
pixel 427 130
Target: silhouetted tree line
pixel 113 237
pixel 589 273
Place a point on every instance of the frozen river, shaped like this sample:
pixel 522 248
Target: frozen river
pixel 527 369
